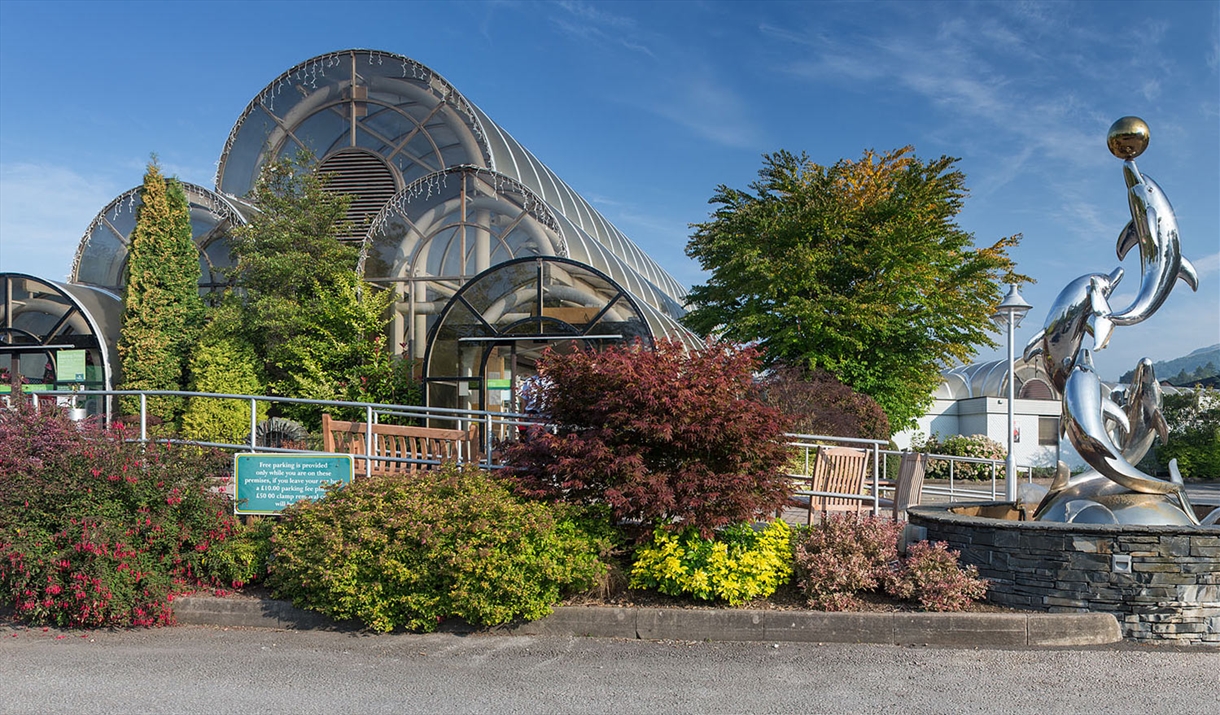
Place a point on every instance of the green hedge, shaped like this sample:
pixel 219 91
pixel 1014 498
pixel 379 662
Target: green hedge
pixel 409 551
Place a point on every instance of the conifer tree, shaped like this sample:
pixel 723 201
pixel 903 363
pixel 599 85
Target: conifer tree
pixel 162 310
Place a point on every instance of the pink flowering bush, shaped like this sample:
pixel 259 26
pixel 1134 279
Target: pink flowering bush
pixel 931 576
pixel 96 531
pixel 843 555
pixel 847 555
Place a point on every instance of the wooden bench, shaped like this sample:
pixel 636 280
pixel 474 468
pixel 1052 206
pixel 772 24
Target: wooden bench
pixel 838 471
pixel 428 446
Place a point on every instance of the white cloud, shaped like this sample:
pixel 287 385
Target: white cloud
pixel 703 104
pixel 1206 266
pixel 588 23
pixel 44 211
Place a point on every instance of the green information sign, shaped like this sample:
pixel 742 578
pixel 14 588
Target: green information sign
pixel 70 365
pixel 266 483
pixel 505 384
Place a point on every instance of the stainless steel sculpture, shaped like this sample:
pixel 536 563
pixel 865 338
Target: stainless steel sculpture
pixel 1113 432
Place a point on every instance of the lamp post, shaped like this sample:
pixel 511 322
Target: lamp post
pixel 1009 313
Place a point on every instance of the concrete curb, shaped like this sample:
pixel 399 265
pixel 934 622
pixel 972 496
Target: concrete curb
pixel 938 629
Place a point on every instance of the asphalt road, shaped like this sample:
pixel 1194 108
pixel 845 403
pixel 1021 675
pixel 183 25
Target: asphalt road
pixel 211 670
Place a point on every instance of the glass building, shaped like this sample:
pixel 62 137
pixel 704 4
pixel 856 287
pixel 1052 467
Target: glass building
pixel 491 256
pixel 55 335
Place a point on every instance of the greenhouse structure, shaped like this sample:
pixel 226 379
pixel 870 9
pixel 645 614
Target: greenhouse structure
pixel 490 255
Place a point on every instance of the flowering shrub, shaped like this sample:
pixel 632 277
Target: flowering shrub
pixel 95 531
pixel 930 575
pixel 846 554
pixel 738 565
pixel 975 445
pixel 662 436
pixel 407 551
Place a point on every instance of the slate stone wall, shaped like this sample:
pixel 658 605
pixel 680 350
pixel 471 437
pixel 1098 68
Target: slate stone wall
pixel 1168 590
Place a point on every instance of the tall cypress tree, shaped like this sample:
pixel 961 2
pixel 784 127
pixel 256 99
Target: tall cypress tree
pixel 162 310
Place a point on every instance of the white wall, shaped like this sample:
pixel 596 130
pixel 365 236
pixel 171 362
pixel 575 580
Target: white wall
pixel 989 416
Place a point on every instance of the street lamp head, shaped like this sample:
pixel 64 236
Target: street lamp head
pixel 1012 307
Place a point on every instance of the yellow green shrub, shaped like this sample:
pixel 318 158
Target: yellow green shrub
pixel 738 565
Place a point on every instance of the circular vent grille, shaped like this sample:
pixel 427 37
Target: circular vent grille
pixel 368 179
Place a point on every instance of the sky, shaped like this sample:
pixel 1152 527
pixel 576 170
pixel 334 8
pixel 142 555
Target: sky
pixel 645 108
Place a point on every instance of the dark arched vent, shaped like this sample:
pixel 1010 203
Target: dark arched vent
pixel 367 178
pixel 1036 390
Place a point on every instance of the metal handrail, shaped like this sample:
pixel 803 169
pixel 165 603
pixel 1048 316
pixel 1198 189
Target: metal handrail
pixel 507 421
pixel 488 419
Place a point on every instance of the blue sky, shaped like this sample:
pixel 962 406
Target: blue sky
pixel 645 107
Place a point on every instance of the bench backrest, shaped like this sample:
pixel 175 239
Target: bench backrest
pixel 428 445
pixel 909 487
pixel 840 470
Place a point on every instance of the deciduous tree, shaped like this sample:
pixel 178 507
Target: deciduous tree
pixel 857 268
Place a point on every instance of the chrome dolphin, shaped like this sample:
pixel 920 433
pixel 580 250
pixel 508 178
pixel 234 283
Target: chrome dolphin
pixel 1142 405
pixel 1082 308
pixel 1086 409
pixel 1154 229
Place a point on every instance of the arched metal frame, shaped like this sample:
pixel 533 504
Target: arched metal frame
pixel 990 379
pixel 447 227
pixel 420 125
pixel 385 103
pixel 101 256
pixel 470 198
pixel 493 328
pixel 38 318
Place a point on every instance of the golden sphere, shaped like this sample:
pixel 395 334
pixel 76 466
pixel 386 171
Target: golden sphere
pixel 1128 137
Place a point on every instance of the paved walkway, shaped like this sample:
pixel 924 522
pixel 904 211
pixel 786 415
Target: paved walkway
pixel 214 671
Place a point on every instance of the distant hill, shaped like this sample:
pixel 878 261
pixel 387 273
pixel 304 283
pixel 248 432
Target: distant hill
pixel 1188 369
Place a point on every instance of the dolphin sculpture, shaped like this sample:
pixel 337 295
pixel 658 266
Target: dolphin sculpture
pixel 1085 411
pixel 1081 308
pixel 1143 409
pixel 1128 507
pixel 1154 229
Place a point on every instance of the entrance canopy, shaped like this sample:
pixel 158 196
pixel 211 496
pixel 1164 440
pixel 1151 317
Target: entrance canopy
pixel 45 325
pixel 490 334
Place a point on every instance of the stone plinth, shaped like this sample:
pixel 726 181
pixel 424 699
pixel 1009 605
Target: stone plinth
pixel 1162 583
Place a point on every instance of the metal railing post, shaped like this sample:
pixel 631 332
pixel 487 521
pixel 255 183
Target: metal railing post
pixel 143 417
pixel 368 441
pixel 253 425
pixel 487 439
pixel 876 479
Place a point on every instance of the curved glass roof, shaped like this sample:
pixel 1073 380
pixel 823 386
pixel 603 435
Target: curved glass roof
pixel 990 379
pixel 446 205
pixel 101 257
pixel 417 123
pixel 449 226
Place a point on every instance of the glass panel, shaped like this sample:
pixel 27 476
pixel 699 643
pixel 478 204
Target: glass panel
pixel 509 289
pixel 390 123
pixel 242 161
pixel 321 132
pixel 101 263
